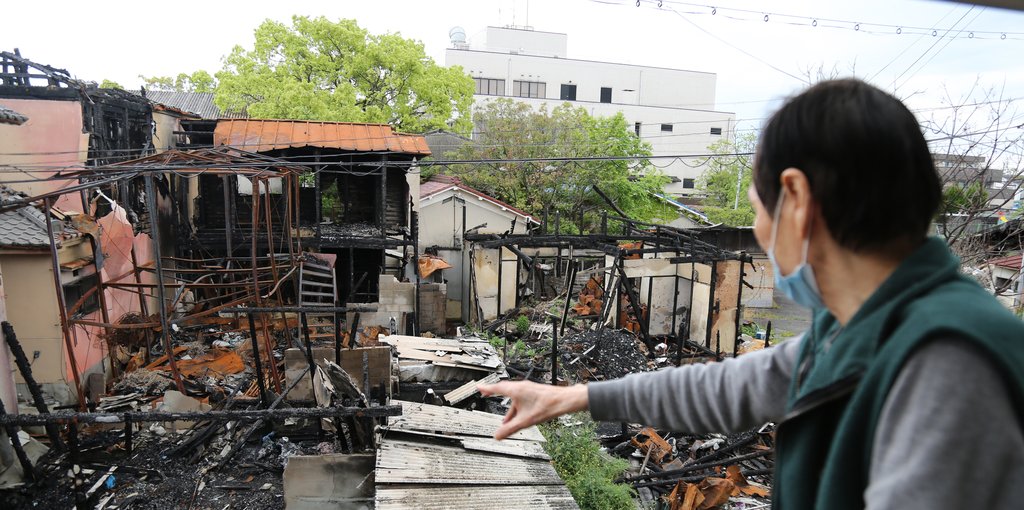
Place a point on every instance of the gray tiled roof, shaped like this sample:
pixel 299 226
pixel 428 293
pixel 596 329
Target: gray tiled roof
pixel 9 116
pixel 199 103
pixel 24 227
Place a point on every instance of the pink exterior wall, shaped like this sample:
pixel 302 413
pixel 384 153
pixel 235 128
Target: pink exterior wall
pixel 116 241
pixel 52 138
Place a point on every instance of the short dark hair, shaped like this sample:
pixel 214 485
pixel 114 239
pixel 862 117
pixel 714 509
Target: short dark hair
pixel 865 158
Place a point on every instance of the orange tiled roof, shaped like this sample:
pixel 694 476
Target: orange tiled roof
pixel 265 135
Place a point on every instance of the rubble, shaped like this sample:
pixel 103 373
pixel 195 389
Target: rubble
pixel 605 354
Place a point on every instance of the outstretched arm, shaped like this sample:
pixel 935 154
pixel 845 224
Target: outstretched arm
pixel 736 394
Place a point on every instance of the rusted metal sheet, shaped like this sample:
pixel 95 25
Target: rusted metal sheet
pixel 520 497
pixel 422 463
pixel 266 135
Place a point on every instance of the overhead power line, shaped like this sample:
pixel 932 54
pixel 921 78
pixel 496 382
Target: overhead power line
pixel 816 22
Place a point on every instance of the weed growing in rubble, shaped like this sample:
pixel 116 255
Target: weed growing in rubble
pixel 588 472
pixel 522 325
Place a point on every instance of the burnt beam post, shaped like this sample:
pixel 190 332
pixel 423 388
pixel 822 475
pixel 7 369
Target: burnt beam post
pixel 712 305
pixel 634 301
pixel 739 305
pixel 62 304
pixel 258 362
pixel 25 367
pixel 165 329
pixel 415 220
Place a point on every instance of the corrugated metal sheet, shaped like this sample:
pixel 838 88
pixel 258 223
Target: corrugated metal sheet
pixel 519 497
pixel 450 420
pixel 266 135
pixel 469 389
pixel 422 463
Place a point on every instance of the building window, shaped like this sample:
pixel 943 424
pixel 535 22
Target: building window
pixel 606 94
pixel 689 183
pixel 75 290
pixel 535 89
pixel 716 131
pixel 490 86
pixel 568 92
pixel 636 127
pixel 666 128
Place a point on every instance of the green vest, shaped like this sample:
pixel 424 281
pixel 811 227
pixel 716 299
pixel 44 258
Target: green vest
pixel 843 374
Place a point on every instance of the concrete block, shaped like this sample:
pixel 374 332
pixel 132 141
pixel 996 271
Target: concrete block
pixel 336 481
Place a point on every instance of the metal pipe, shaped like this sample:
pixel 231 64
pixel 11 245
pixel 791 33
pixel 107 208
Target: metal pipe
pixel 570 283
pixel 554 355
pixel 300 309
pixel 697 467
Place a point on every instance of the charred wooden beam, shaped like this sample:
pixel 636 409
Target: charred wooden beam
pixel 23 420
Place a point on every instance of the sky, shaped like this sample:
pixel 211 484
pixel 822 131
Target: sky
pixel 757 62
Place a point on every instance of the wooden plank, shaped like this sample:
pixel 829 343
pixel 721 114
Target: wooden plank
pixel 526 449
pixel 488 497
pixel 410 462
pixel 513 447
pixel 426 344
pixel 450 420
pixel 469 389
pixel 449 359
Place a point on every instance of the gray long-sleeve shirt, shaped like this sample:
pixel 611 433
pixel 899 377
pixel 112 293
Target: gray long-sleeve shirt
pixel 948 436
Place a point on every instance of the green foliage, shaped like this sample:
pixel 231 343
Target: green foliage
pixel 963 198
pixel 522 325
pixel 588 472
pixel 198 81
pixel 724 201
pixel 110 84
pixel 514 130
pixel 319 69
pixel 496 341
pixel 749 329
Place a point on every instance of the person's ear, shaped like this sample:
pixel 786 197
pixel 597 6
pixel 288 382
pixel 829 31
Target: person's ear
pixel 799 200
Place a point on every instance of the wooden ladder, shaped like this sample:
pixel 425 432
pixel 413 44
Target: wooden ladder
pixel 317 287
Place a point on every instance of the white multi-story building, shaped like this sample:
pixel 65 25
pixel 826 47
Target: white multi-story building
pixel 672 109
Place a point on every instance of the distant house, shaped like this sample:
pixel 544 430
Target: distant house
pixel 671 109
pixel 1008 280
pixel 176 112
pixel 448 209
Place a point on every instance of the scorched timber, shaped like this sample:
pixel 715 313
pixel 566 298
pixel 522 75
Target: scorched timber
pixel 250 414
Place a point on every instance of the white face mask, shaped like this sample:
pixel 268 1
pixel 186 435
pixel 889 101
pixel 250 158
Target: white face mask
pixel 800 286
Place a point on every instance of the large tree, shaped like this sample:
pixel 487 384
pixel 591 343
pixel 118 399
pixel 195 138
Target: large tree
pixel 513 130
pixel 198 81
pixel 319 69
pixel 725 181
